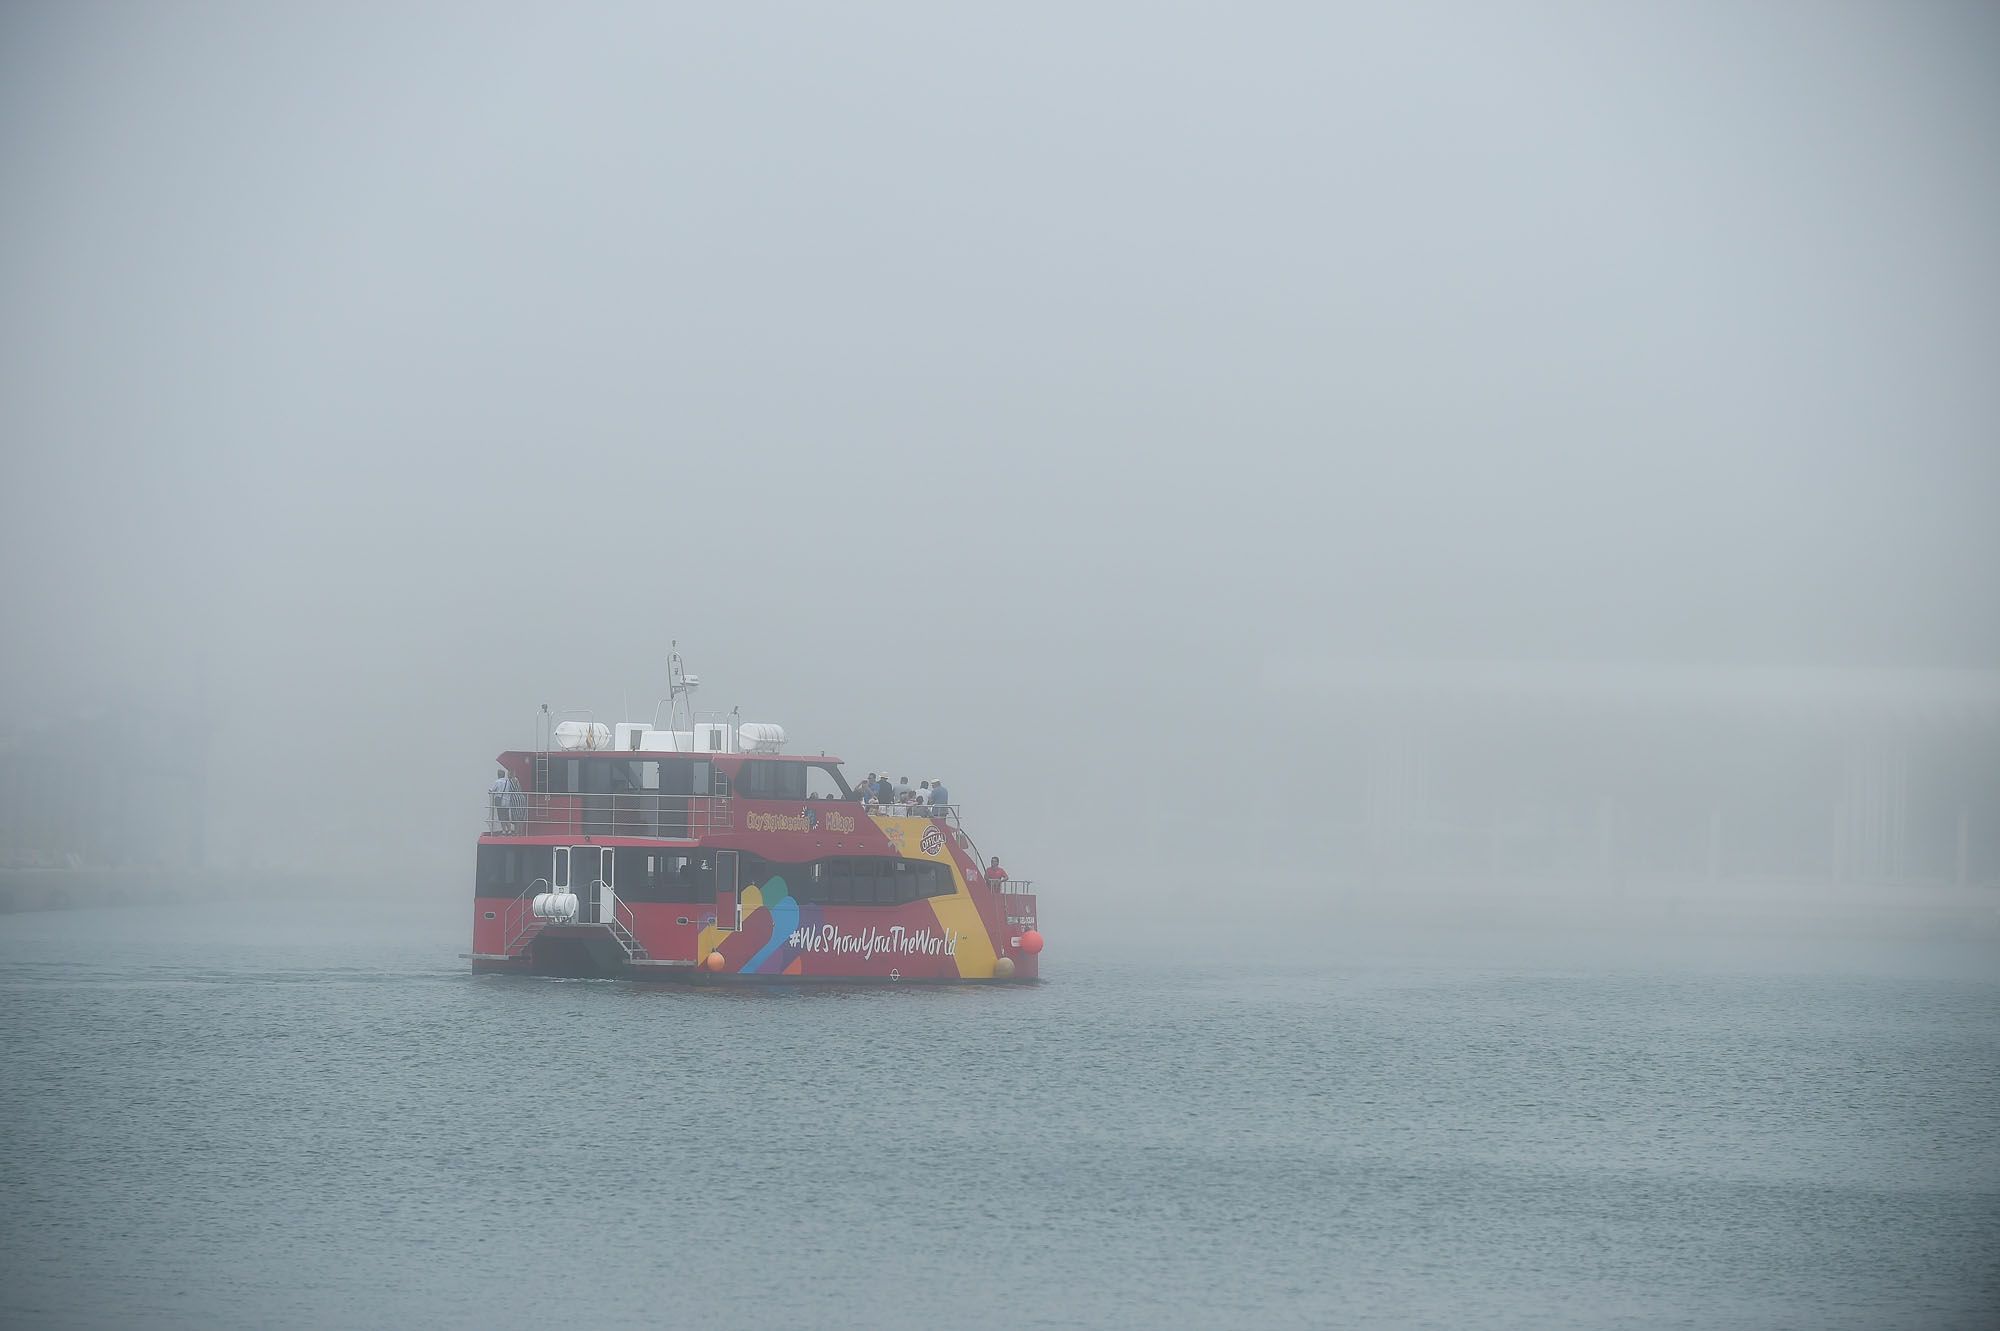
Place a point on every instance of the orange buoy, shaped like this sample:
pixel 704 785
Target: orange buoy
pixel 1031 942
pixel 715 961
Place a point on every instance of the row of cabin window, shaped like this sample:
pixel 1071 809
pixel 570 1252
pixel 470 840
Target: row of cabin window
pixel 507 869
pixel 849 880
pixel 689 776
pixel 658 875
pixel 670 876
pixel 511 868
pixel 627 776
pixel 867 881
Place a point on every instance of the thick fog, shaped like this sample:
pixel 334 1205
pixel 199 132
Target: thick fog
pixel 1124 412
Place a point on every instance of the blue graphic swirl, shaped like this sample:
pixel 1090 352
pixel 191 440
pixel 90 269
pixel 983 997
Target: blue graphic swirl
pixel 784 919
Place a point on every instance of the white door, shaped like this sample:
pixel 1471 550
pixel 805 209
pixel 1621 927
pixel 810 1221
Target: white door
pixel 728 901
pixel 586 878
pixel 607 900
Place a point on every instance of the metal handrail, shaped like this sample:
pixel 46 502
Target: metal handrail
pixel 517 924
pixel 647 816
pixel 654 817
pixel 909 810
pixel 627 920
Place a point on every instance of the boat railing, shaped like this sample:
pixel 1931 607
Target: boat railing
pixel 948 811
pixel 519 919
pixel 1014 887
pixel 645 816
pixel 624 924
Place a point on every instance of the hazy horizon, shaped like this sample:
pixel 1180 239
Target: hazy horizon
pixel 1001 395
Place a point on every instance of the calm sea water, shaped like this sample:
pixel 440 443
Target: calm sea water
pixel 210 1124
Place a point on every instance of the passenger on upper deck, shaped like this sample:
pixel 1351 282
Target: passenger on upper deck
pixel 940 797
pixel 994 873
pixel 496 803
pixel 904 790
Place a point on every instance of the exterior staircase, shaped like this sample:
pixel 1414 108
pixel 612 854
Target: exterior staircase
pixel 522 926
pixel 620 929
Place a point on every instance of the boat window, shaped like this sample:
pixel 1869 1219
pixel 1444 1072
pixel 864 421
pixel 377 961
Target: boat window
pixel 824 783
pixel 622 776
pixel 633 776
pixel 870 881
pixel 839 890
pixel 658 875
pixel 678 776
pixel 772 781
pixel 507 870
pixel 565 776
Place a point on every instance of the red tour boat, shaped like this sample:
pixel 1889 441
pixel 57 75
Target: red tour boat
pixel 704 851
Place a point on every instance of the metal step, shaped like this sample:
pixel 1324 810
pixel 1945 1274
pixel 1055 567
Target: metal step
pixel 518 944
pixel 633 951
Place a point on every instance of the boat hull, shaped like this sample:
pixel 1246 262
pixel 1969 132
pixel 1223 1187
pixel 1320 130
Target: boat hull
pixel 773 920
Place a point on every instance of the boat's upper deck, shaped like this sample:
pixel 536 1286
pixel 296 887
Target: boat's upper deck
pixel 671 796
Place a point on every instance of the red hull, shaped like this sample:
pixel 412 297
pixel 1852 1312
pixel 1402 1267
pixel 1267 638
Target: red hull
pixel 759 889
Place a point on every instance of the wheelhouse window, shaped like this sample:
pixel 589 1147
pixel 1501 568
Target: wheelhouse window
pixel 824 782
pixel 563 776
pixel 772 781
pixel 636 776
pixel 628 776
pixel 684 776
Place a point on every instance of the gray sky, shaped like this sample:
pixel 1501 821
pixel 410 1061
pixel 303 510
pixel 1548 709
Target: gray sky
pixel 949 380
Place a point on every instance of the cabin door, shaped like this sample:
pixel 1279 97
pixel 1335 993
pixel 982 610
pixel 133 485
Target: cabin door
pixel 586 875
pixel 559 871
pixel 726 898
